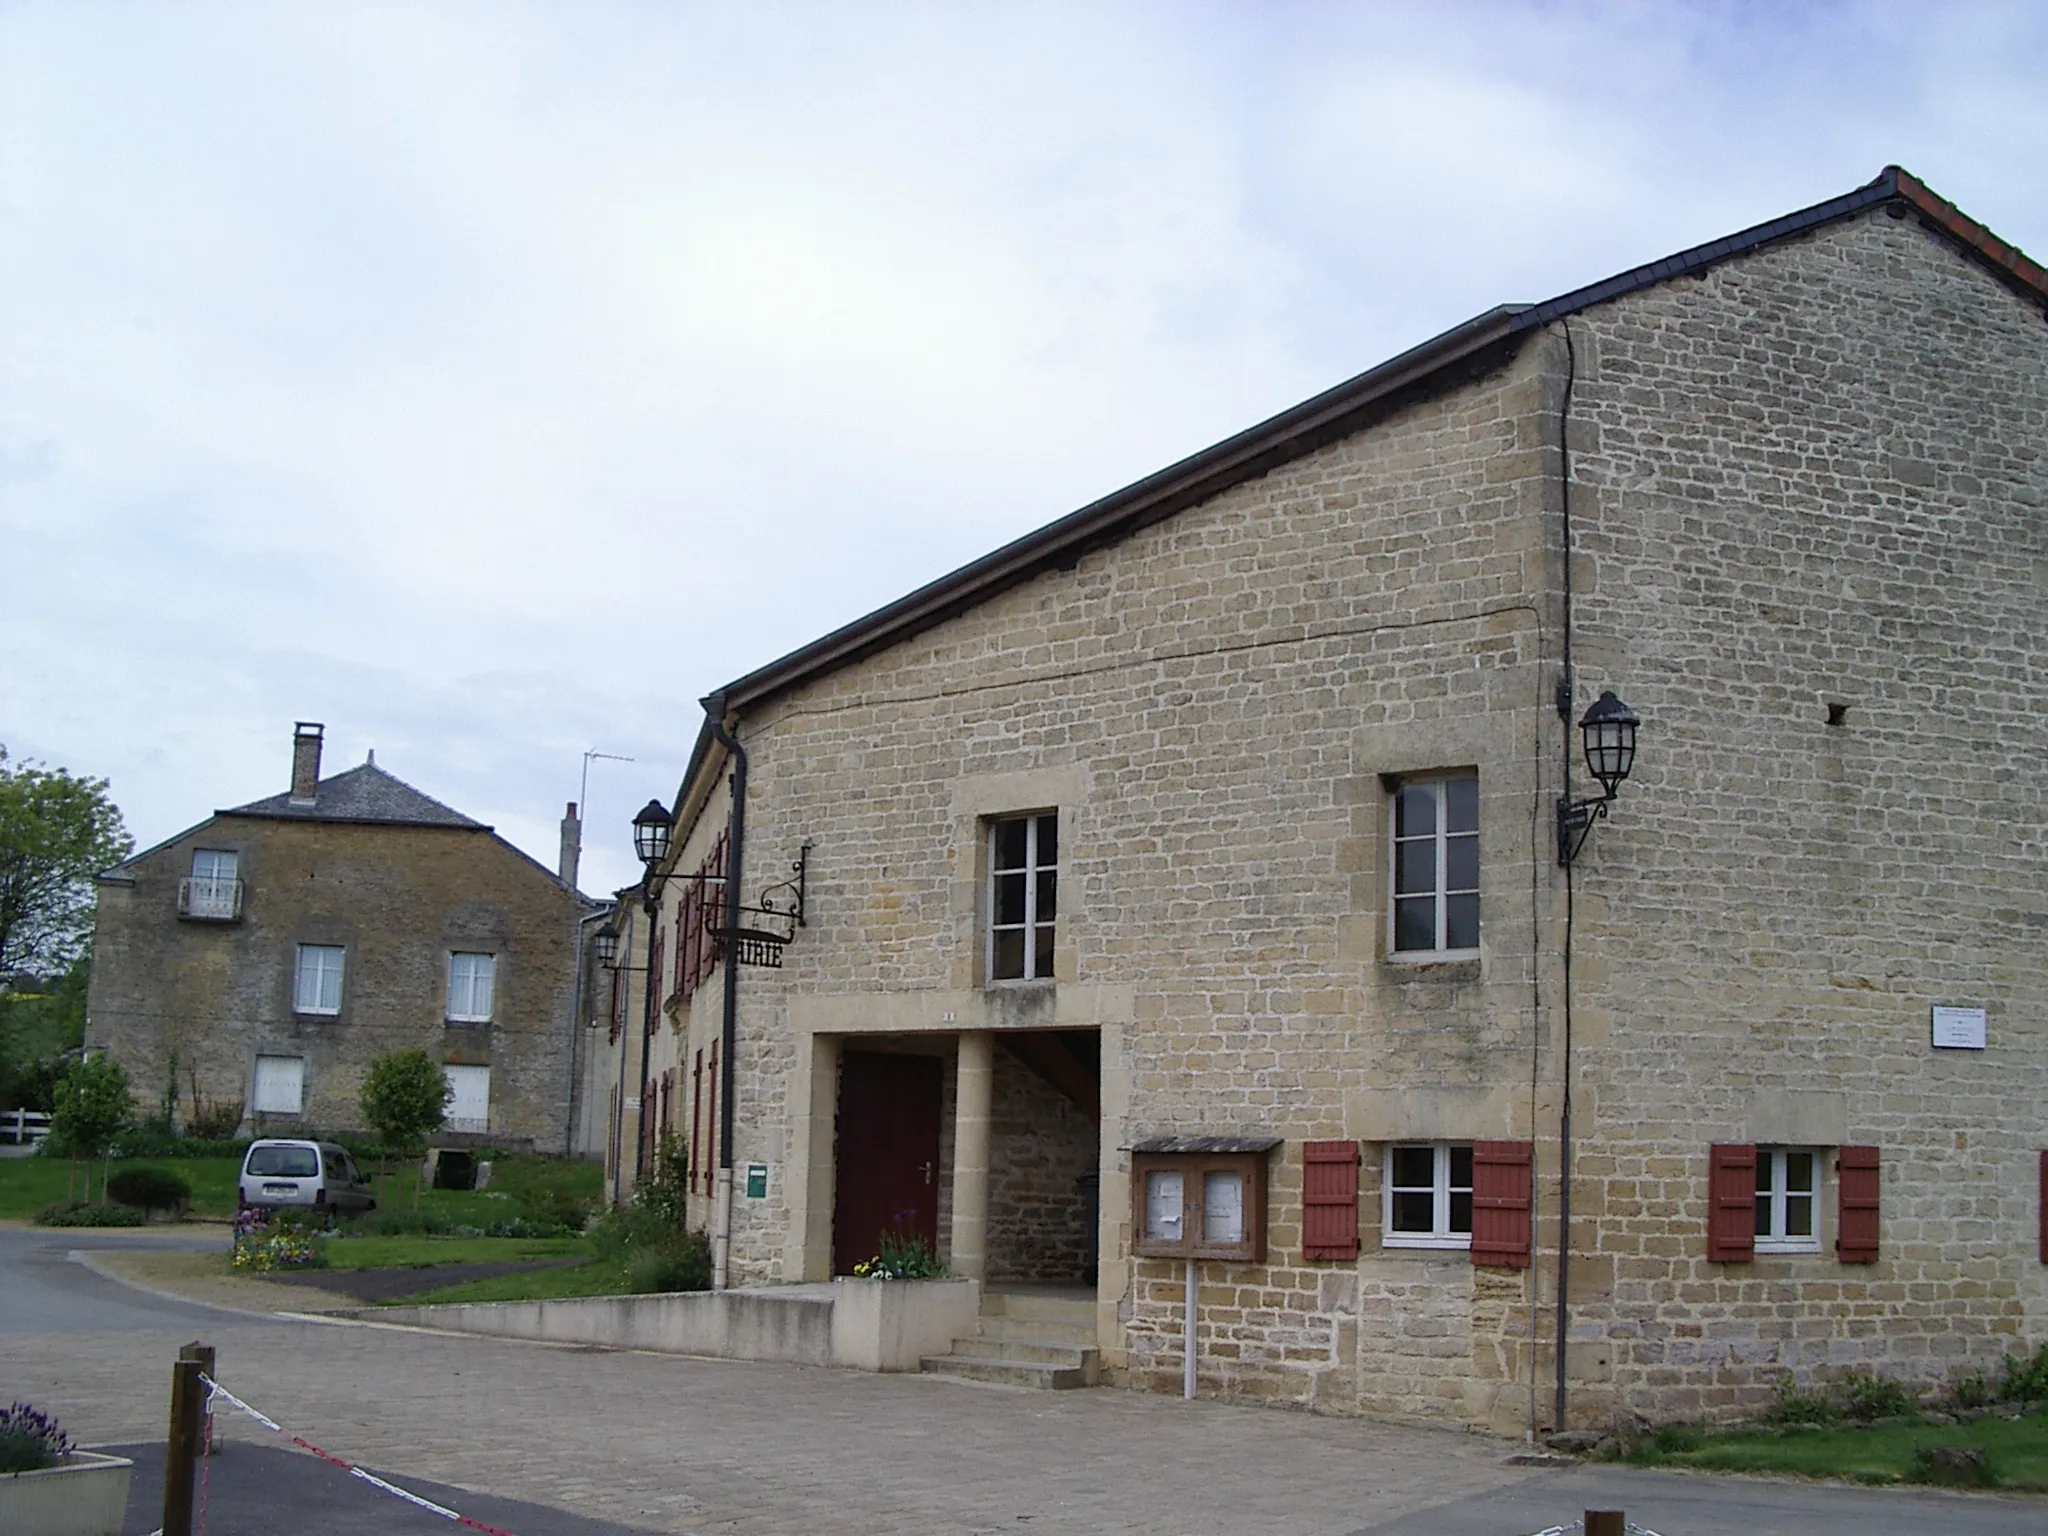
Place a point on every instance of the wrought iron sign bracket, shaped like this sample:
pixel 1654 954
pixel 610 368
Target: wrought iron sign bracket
pixel 776 914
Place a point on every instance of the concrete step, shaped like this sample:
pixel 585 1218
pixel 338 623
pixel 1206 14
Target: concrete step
pixel 1042 1375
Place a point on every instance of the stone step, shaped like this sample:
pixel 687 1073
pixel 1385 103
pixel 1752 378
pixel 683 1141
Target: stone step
pixel 1075 1311
pixel 1024 1330
pixel 1043 1375
pixel 986 1348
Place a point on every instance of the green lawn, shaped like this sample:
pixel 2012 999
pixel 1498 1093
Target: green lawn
pixel 595 1277
pixel 2016 1450
pixel 345 1252
pixel 27 1184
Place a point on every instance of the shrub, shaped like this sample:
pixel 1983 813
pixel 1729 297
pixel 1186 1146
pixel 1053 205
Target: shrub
pixel 88 1213
pixel 1676 1439
pixel 556 1208
pixel 1956 1466
pixel 684 1265
pixel 30 1441
pixel 1971 1390
pixel 1867 1395
pixel 150 1189
pixel 1796 1407
pixel 2025 1380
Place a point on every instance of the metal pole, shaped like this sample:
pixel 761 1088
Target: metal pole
pixel 1187 1370
pixel 203 1353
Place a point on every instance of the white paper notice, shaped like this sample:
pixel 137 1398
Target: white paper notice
pixel 1223 1208
pixel 1959 1029
pixel 1163 1206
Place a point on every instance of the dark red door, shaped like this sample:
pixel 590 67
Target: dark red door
pixel 888 1154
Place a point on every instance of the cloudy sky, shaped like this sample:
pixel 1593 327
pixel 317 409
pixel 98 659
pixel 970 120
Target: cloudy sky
pixel 490 381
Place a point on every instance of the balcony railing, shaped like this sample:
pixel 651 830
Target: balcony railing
pixel 474 1125
pixel 210 901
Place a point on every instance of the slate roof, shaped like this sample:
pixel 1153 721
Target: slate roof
pixel 367 793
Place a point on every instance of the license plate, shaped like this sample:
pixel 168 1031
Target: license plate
pixel 280 1189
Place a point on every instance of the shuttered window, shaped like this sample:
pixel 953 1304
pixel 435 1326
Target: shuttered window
pixel 1329 1200
pixel 1856 1174
pixel 1731 1203
pixel 1503 1185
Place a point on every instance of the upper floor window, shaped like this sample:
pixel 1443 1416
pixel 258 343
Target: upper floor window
pixel 1428 1196
pixel 212 891
pixel 471 978
pixel 1436 866
pixel 318 988
pixel 1023 896
pixel 1787 1187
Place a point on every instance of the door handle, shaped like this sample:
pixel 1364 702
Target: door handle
pixel 927 1167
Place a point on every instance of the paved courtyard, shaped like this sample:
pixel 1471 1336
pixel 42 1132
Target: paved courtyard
pixel 687 1445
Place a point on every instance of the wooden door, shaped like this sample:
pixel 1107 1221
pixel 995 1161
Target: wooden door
pixel 887 1154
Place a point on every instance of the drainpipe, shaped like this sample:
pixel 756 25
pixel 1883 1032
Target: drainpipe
pixel 577 1029
pixel 651 904
pixel 1564 709
pixel 735 849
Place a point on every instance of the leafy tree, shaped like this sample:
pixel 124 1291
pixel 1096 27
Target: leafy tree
pixel 404 1099
pixel 92 1105
pixel 56 833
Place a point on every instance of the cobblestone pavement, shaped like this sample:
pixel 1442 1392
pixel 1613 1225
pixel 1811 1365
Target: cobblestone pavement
pixel 707 1445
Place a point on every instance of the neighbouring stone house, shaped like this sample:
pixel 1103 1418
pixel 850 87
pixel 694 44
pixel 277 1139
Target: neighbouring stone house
pixel 1182 886
pixel 276 949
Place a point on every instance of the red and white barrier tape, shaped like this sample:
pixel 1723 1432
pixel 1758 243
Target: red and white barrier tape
pixel 215 1389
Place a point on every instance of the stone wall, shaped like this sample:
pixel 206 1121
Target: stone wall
pixel 1041 1144
pixel 398 899
pixel 1812 477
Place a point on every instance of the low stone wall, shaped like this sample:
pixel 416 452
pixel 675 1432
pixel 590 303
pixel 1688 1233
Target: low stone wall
pixel 864 1325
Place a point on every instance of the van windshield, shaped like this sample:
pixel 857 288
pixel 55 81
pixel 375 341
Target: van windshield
pixel 284 1162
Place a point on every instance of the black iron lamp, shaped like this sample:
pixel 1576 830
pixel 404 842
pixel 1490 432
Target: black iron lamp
pixel 1609 732
pixel 650 833
pixel 607 941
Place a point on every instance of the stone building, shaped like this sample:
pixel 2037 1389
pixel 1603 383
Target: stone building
pixel 1182 888
pixel 274 950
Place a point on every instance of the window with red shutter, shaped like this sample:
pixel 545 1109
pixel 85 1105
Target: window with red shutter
pixel 1329 1200
pixel 1731 1203
pixel 1856 1177
pixel 1503 1187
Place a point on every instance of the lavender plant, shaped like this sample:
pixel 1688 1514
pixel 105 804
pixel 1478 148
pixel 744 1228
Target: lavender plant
pixel 30 1440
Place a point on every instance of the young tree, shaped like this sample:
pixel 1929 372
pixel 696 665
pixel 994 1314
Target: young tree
pixel 93 1104
pixel 56 833
pixel 405 1099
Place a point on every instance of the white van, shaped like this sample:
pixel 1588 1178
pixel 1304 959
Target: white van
pixel 310 1173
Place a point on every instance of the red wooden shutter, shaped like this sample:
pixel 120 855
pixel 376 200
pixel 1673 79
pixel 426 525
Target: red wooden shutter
pixel 1503 1182
pixel 1731 1203
pixel 1856 1222
pixel 1329 1200
pixel 2044 1207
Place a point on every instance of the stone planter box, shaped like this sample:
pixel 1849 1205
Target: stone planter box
pixel 891 1325
pixel 85 1496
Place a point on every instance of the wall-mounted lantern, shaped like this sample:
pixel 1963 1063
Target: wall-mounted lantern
pixel 651 829
pixel 607 942
pixel 1609 733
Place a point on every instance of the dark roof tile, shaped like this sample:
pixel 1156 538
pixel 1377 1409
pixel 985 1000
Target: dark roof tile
pixel 367 793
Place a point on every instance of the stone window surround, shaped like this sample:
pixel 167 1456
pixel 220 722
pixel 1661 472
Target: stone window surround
pixel 1443 1235
pixel 1030 919
pixel 981 799
pixel 299 978
pixel 490 982
pixel 1440 887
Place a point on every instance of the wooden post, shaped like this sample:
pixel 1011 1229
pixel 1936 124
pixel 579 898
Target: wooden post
pixel 187 1395
pixel 1599 1522
pixel 203 1438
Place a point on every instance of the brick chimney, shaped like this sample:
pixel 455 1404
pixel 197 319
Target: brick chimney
pixel 306 738
pixel 572 846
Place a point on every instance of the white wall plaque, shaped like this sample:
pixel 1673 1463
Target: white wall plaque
pixel 1163 1205
pixel 1959 1029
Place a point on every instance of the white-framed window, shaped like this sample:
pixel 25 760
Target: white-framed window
pixel 318 987
pixel 1426 1195
pixel 471 982
pixel 212 891
pixel 280 1085
pixel 1435 866
pixel 1787 1200
pixel 1023 896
